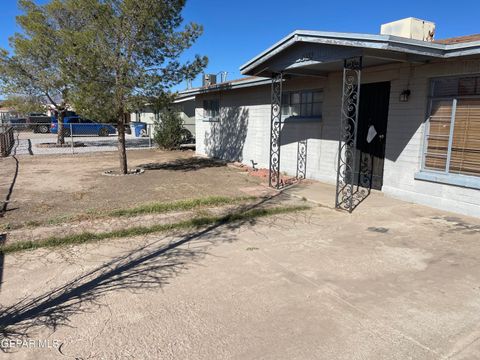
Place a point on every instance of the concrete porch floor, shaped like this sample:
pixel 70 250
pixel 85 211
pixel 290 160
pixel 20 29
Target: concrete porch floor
pixel 323 194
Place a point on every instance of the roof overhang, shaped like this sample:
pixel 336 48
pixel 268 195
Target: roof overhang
pixel 228 85
pixel 316 52
pixel 182 99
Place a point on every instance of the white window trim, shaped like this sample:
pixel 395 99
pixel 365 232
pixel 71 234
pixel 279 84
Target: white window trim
pixel 467 181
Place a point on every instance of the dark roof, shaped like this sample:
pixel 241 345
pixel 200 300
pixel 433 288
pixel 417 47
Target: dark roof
pixel 216 85
pixel 459 39
pixel 247 81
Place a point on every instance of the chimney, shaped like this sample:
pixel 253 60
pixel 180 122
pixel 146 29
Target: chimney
pixel 410 28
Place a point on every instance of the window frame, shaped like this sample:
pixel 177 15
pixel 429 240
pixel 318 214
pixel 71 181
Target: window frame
pixel 445 176
pixel 301 94
pixel 207 109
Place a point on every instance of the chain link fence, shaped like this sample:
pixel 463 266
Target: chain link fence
pixel 7 139
pixel 84 137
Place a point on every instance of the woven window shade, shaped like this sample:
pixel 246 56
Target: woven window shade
pixel 437 140
pixel 465 157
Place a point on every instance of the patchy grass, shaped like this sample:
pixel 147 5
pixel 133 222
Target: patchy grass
pixel 182 205
pixel 152 208
pixel 198 222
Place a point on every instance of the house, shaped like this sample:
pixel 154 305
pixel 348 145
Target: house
pixel 397 112
pixel 184 104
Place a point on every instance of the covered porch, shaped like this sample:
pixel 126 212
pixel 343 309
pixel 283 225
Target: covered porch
pixel 363 111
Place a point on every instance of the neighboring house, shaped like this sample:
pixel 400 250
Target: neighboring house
pixel 184 104
pixel 411 129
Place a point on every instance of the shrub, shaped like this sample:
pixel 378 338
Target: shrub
pixel 168 129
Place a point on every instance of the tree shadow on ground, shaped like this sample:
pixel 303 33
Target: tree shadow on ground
pixel 4 207
pixel 3 238
pixel 191 164
pixel 150 266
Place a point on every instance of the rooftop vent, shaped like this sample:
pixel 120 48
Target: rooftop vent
pixel 209 79
pixel 410 28
pixel 223 76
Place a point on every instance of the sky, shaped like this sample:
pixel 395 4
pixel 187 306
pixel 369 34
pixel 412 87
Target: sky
pixel 237 30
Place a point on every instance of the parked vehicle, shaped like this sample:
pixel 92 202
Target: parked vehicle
pixel 18 123
pixel 39 123
pixel 81 126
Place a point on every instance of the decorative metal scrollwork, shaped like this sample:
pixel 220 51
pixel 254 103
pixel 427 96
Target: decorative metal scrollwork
pixel 276 124
pixel 365 172
pixel 302 159
pixel 345 191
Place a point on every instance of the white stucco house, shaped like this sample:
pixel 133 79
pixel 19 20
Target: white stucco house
pixel 397 112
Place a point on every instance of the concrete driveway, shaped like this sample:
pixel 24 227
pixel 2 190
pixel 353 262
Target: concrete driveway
pixel 391 281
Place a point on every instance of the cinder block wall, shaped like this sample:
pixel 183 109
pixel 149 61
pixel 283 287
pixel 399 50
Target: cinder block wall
pixel 243 132
pixel 405 135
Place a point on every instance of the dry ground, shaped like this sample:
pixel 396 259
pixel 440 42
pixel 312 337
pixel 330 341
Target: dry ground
pixel 391 281
pixel 57 185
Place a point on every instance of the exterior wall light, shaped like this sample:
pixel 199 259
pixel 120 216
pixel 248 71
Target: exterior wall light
pixel 404 95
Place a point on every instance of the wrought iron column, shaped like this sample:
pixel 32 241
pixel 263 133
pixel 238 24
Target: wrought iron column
pixel 275 129
pixel 345 194
pixel 302 159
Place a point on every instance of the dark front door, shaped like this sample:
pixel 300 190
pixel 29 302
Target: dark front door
pixel 371 134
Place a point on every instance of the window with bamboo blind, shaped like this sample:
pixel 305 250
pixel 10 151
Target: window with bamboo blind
pixel 438 135
pixel 453 130
pixel 465 153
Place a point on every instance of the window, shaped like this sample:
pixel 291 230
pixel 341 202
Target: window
pixel 302 103
pixel 211 108
pixel 452 140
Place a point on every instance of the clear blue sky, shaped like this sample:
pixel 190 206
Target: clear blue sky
pixel 237 30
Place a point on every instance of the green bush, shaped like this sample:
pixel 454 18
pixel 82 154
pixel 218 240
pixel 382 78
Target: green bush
pixel 168 130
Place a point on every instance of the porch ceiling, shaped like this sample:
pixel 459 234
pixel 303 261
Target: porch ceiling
pixel 321 69
pixel 321 59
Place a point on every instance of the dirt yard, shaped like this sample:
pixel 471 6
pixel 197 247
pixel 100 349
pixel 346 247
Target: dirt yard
pixel 52 186
pixel 390 281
